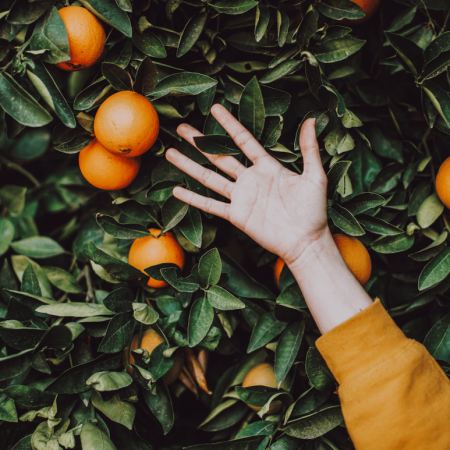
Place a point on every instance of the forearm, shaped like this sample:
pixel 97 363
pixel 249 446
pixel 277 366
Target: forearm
pixel 331 291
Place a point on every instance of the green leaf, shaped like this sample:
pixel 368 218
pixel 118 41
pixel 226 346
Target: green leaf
pixel 8 411
pixel 262 21
pixel 113 266
pixel 402 19
pixel 191 226
pixel 185 82
pixel 315 424
pixel 146 77
pixel 308 27
pixel 150 45
pixel 73 380
pixel 19 104
pixel 378 226
pixel 344 220
pixel 109 12
pixel 287 349
pixel 119 300
pixel 115 409
pixel 234 6
pixel 350 120
pixel 251 108
pixel 120 53
pixel 180 284
pixel 260 428
pixel 282 27
pixel 173 212
pixel 266 329
pixel 408 51
pixel 338 49
pixel 13 365
pixel 13 199
pixel 429 211
pixel 38 247
pixel 221 299
pixel 63 280
pixel 387 178
pixel 145 313
pixel 431 250
pixel 206 99
pixel 210 268
pixel 340 9
pixel 307 402
pixel 109 381
pixel 281 70
pixel 50 34
pixel 118 334
pixel 6 234
pixel 393 244
pixel 92 438
pixel 160 404
pixel 217 145
pixel 437 341
pixel 92 95
pixel 335 175
pixel 200 320
pixel 191 32
pixel 121 231
pixel 74 309
pixel 117 77
pixel 436 270
pixel 51 94
pixel 363 202
pixel 319 374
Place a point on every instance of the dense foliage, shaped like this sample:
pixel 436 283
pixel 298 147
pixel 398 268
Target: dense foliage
pixel 70 303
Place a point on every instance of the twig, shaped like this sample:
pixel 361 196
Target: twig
pixel 90 290
pixel 10 165
pixel 427 150
pixel 445 23
pixel 429 17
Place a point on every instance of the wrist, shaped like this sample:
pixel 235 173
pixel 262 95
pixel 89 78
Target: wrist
pixel 322 243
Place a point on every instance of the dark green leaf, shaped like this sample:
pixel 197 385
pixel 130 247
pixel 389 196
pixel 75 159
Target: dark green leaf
pixel 287 349
pixel 338 49
pixel 117 77
pixel 200 320
pixel 161 406
pixel 150 45
pixel 217 145
pixel 18 103
pixel 340 9
pixel 437 341
pixel 436 270
pixel 266 329
pixel 409 51
pixel 173 211
pixel 120 300
pixel 186 82
pixel 344 220
pixel 378 226
pixel 210 268
pixel 191 32
pixel 121 231
pixel 393 244
pixel 221 299
pixel 363 202
pixel 251 108
pixel 118 335
pixel 335 175
pixel 234 6
pixel 191 226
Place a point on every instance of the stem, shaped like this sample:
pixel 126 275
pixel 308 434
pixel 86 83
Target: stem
pixel 445 23
pixel 90 290
pixel 296 168
pixel 10 165
pixel 429 17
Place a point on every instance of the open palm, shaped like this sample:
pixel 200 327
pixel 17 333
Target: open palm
pixel 279 209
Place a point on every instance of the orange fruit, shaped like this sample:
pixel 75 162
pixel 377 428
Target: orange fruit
pixel 354 253
pixel 368 6
pixel 105 170
pixel 126 124
pixel 277 271
pixel 86 38
pixel 264 375
pixel 151 251
pixel 443 183
pixel 150 340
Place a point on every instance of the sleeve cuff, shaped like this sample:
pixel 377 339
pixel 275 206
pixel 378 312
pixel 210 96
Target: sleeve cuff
pixel 361 343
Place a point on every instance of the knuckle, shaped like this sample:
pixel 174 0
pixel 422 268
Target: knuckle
pixel 243 137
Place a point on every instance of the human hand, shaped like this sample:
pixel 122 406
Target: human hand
pixel 282 211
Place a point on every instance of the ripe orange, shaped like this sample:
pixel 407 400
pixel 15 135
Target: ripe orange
pixel 277 271
pixel 151 251
pixel 150 340
pixel 86 38
pixel 443 183
pixel 126 124
pixel 354 253
pixel 368 6
pixel 105 170
pixel 264 375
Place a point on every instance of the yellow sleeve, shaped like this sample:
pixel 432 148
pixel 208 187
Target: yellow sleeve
pixel 394 395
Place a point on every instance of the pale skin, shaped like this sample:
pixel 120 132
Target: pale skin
pixel 282 211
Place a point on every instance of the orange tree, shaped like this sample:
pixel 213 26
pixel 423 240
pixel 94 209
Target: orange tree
pixel 71 304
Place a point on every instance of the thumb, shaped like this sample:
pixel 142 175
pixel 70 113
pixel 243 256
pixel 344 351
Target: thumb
pixel 310 149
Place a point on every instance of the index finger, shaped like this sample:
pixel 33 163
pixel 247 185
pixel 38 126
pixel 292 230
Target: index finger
pixel 243 138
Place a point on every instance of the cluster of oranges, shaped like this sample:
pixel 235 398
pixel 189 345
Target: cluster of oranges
pixel 126 124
